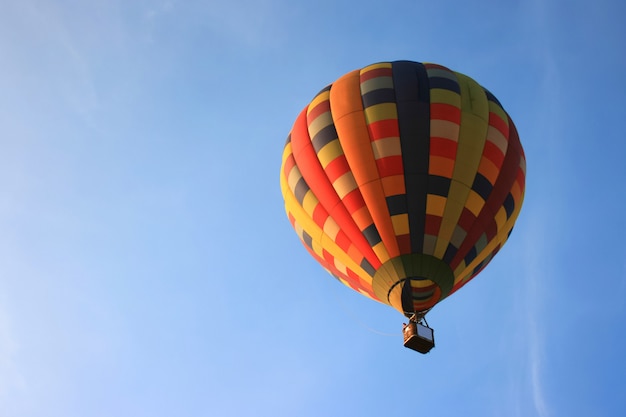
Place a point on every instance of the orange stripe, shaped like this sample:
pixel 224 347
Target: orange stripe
pixel 444 167
pixel 347 108
pixel 393 185
pixel 488 170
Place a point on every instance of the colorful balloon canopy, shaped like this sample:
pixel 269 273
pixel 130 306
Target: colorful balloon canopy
pixel 403 180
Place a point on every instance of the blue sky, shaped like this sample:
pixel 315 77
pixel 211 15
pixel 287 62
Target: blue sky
pixel 146 264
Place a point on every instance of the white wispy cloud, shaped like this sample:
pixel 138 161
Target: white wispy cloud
pixel 536 268
pixel 544 199
pixel 536 345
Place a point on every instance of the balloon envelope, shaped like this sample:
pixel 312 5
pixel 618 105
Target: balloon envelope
pixel 403 180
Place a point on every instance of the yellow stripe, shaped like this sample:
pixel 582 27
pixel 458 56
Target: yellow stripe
pixel 376 66
pixel 421 283
pixel 470 149
pixel 439 95
pixel 387 147
pixel 329 152
pixel 383 111
pixel 286 153
pixel 474 203
pixel 321 97
pixel 381 251
pixel 317 248
pixel 309 203
pixel 457 272
pixel 400 224
pixel 435 204
pixel 473 98
pixel 500 218
pixel 454 207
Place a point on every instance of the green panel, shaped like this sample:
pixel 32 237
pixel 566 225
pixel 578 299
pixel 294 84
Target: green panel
pixel 417 266
pixel 473 97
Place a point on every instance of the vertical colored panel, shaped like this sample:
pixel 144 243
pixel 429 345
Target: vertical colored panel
pixel 379 103
pixel 347 108
pixel 472 134
pixel 413 105
pixel 445 120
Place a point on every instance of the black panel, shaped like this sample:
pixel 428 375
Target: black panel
pixel 367 267
pixel 301 189
pixel 416 188
pixel 491 97
pixel 411 86
pixel 471 255
pixel 451 250
pixel 407 297
pixel 323 137
pixel 445 84
pixel 378 96
pixel 308 240
pixel 371 235
pixel 438 185
pixel 477 269
pixel 482 186
pixel 396 204
pixel 509 205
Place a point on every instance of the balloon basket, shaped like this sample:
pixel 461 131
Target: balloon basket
pixel 418 337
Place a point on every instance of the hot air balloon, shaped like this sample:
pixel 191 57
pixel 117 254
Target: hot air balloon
pixel 403 180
